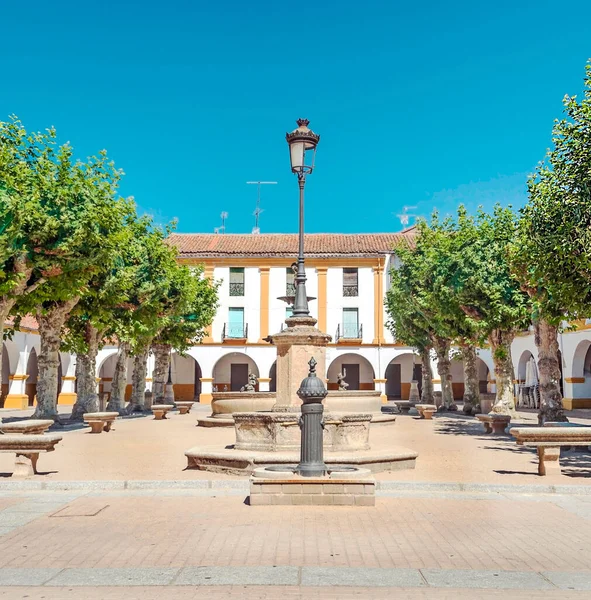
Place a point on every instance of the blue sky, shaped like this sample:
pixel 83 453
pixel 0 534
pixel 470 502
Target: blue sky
pixel 423 104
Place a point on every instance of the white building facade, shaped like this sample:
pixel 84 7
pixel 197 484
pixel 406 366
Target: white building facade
pixel 347 278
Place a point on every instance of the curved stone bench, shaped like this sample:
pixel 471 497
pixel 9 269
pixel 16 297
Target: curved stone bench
pixel 404 406
pixel 426 410
pixel 494 423
pixel 27 427
pixel 548 441
pixel 185 406
pixel 160 410
pixel 27 449
pixel 100 421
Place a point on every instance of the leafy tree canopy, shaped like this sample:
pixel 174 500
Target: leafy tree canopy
pixel 552 254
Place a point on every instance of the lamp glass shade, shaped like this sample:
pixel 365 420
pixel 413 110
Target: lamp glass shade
pixel 297 153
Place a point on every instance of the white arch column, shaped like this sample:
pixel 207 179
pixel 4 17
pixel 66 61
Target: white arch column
pixel 577 375
pixel 18 353
pixel 68 395
pixel 149 371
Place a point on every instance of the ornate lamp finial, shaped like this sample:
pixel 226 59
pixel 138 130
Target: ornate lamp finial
pixel 312 362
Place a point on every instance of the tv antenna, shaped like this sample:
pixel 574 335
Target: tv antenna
pixel 222 227
pixel 258 210
pixel 405 216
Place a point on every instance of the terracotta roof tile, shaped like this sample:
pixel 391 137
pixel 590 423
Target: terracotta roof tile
pixel 211 245
pixel 27 322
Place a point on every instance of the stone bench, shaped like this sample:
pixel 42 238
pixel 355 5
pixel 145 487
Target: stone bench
pixel 494 423
pixel 549 440
pixel 404 406
pixel 160 410
pixel 185 406
pixel 27 427
pixel 27 449
pixel 426 410
pixel 100 421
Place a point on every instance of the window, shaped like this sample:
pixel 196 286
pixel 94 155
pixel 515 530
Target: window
pixel 236 281
pixel 290 282
pixel 289 312
pixel 350 282
pixel 350 323
pixel 235 326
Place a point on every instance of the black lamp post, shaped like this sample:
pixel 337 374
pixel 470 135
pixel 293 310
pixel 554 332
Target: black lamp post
pixel 302 151
pixel 311 393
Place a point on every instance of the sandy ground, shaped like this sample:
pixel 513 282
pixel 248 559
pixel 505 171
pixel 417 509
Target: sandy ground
pixel 452 448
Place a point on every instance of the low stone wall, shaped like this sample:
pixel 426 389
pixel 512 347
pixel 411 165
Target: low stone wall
pixel 224 404
pixel 319 492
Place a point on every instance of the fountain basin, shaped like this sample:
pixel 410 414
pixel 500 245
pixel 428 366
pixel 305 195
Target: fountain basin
pixel 280 431
pixel 225 404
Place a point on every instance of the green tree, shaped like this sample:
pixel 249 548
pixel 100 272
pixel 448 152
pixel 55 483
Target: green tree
pixel 552 254
pixel 28 241
pixel 73 225
pixel 93 320
pixel 183 326
pixel 409 326
pixel 486 290
pixel 423 308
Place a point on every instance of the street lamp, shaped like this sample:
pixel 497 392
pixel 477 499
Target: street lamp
pixel 302 151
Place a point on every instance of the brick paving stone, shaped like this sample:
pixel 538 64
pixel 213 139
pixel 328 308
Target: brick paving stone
pixel 478 578
pixel 280 593
pixel 569 580
pixel 398 533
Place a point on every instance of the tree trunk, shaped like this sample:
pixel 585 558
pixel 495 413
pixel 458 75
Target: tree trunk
pixel 160 373
pixel 500 345
pixel 442 348
pixel 138 382
pixel 546 337
pixel 471 381
pixel 119 383
pixel 87 398
pixel 427 376
pixel 50 329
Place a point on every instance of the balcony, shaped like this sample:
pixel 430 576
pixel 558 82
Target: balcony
pixel 236 289
pixel 350 290
pixel 290 289
pixel 235 333
pixel 349 333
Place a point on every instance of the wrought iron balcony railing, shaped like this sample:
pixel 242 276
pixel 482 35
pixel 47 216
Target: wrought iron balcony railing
pixel 235 331
pixel 290 289
pixel 236 289
pixel 350 290
pixel 349 332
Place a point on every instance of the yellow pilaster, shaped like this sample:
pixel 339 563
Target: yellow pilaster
pixel 208 274
pixel 378 297
pixel 321 272
pixel 264 327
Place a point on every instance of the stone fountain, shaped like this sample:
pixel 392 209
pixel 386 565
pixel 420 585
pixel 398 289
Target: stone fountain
pixel 272 438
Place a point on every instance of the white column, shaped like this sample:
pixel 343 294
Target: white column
pixel 16 397
pixel 149 371
pixel 436 380
pixel 68 391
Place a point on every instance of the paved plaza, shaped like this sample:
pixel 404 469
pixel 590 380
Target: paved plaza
pixel 117 515
pixel 147 543
pixel 453 449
